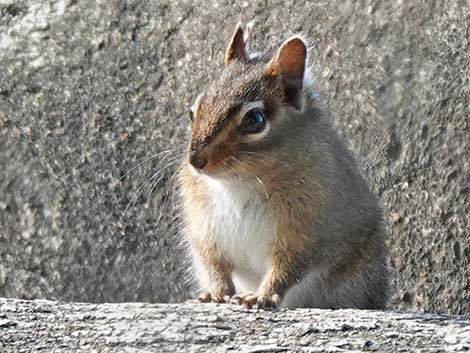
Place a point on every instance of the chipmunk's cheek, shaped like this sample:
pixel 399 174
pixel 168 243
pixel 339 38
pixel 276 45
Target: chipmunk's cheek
pixel 218 157
pixel 213 167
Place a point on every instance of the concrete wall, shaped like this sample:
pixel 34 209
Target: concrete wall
pixel 89 89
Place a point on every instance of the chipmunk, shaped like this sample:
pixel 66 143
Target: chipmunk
pixel 276 213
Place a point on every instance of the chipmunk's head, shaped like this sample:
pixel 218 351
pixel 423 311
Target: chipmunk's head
pixel 235 121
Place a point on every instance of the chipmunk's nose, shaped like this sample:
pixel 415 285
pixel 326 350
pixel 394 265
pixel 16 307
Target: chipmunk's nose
pixel 196 160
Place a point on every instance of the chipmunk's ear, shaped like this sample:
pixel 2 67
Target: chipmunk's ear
pixel 236 48
pixel 289 65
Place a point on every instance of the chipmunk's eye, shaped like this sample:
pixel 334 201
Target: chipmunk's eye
pixel 253 122
pixel 191 113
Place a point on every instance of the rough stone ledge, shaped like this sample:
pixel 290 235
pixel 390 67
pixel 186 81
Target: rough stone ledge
pixel 45 326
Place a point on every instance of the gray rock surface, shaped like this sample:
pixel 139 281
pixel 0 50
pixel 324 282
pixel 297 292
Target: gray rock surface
pixel 88 89
pixel 42 325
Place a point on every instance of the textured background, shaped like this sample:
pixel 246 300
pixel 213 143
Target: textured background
pixel 49 326
pixel 88 89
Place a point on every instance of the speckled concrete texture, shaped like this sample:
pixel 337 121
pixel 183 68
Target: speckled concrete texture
pixel 46 326
pixel 90 89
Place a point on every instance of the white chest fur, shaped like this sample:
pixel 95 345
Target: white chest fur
pixel 242 224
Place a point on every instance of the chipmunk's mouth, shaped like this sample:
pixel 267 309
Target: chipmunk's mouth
pixel 221 169
pixel 204 168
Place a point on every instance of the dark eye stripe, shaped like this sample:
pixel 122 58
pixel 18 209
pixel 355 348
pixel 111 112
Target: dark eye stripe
pixel 219 125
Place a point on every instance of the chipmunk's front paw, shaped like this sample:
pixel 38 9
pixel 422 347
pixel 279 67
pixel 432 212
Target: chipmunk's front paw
pixel 268 301
pixel 207 297
pixel 250 300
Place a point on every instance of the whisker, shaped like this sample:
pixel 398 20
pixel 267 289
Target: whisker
pixel 265 155
pixel 137 166
pixel 262 185
pixel 240 164
pixel 168 196
pixel 138 192
pixel 231 168
pixel 173 161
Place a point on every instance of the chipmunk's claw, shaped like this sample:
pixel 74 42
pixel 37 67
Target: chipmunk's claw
pixel 241 298
pixel 207 297
pixel 268 301
pixel 251 300
pixel 204 297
